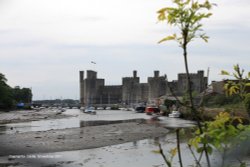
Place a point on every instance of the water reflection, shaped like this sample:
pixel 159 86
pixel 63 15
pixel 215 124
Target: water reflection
pixel 138 153
pixel 3 129
pixel 106 122
pixel 103 117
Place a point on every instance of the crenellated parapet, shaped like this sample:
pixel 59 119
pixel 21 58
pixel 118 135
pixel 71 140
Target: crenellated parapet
pixel 94 91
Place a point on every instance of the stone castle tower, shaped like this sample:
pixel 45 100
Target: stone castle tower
pixel 198 82
pixel 129 88
pixel 90 88
pixel 93 90
pixel 157 85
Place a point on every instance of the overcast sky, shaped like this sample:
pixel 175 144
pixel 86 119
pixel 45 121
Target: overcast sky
pixel 45 43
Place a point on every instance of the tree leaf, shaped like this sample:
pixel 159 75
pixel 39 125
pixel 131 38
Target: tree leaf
pixel 207 15
pixel 200 149
pixel 156 151
pixel 236 68
pixel 236 75
pixel 204 37
pixel 209 150
pixel 168 38
pixel 233 90
pixel 162 15
pixel 223 72
pixel 173 152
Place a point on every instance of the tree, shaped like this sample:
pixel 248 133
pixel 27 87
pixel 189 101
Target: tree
pixel 9 96
pixel 3 80
pixel 187 17
pixel 6 96
pixel 23 95
pixel 240 86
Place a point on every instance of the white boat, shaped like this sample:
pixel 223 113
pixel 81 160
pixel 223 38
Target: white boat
pixel 108 108
pixel 90 110
pixel 174 114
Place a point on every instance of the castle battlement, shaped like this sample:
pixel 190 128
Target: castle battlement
pixel 94 91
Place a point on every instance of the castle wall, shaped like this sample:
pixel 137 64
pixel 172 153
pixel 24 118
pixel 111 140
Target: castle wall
pixel 141 93
pixel 198 82
pixel 110 95
pixel 173 86
pixel 92 87
pixel 94 91
pixel 157 86
pixel 129 88
pixel 81 76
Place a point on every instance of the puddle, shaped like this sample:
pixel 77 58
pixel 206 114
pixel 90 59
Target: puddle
pixel 81 119
pixel 106 122
pixel 138 153
pixel 103 116
pixel 176 122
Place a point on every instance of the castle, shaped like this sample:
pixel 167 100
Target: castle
pixel 93 90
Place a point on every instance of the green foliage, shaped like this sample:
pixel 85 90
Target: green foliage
pixel 185 97
pixel 168 103
pixel 243 164
pixel 169 158
pixel 10 96
pixel 240 85
pixel 219 134
pixel 114 107
pixel 22 95
pixel 221 100
pixel 187 16
pixel 6 96
pixel 3 80
pixel 247 102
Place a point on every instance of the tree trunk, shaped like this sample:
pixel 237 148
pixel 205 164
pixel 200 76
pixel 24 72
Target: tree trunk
pixel 178 146
pixel 193 110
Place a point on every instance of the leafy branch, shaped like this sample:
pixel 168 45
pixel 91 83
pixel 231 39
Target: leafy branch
pixel 187 16
pixel 239 86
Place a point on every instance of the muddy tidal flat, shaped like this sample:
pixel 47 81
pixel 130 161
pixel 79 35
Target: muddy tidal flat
pixel 30 115
pixel 73 138
pixel 76 138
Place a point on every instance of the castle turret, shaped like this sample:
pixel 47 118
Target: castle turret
pixel 81 78
pixel 129 88
pixel 93 90
pixel 157 86
pixel 156 74
pixel 198 82
pixel 91 74
pixel 134 73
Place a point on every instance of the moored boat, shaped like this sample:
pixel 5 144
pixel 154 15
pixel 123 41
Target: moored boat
pixel 174 114
pixel 90 110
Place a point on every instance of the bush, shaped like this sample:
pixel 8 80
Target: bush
pixel 221 100
pixel 247 103
pixel 114 107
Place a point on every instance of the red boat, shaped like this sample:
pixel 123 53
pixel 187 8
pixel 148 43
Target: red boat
pixel 152 110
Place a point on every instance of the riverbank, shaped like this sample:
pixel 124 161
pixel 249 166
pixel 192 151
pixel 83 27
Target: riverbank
pixel 17 116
